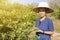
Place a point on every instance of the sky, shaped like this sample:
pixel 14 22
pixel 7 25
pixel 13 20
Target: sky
pixel 26 1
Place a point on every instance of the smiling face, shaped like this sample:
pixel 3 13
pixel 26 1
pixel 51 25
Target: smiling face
pixel 42 12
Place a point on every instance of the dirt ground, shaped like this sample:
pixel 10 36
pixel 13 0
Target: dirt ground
pixel 56 36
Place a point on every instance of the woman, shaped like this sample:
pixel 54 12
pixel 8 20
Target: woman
pixel 44 24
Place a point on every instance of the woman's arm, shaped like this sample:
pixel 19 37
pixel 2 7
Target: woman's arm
pixel 49 32
pixel 46 32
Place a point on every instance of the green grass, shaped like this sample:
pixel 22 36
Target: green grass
pixel 57 29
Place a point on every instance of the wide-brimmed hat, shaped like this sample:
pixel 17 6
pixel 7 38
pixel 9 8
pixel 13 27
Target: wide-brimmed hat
pixel 43 5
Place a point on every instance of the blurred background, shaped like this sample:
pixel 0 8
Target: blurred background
pixel 17 19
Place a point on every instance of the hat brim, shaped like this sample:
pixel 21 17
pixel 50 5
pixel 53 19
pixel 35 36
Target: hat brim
pixel 48 10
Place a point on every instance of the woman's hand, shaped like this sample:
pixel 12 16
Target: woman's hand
pixel 40 31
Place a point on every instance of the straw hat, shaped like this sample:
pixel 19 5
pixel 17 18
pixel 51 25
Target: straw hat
pixel 43 5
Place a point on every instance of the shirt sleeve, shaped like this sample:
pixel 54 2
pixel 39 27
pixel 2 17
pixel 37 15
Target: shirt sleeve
pixel 37 23
pixel 51 27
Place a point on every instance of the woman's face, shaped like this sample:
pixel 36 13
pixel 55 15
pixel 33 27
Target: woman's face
pixel 42 12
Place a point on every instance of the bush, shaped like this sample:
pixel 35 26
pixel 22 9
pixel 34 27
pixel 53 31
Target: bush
pixel 17 22
pixel 56 13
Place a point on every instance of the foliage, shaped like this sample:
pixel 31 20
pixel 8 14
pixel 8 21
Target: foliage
pixel 56 13
pixel 17 22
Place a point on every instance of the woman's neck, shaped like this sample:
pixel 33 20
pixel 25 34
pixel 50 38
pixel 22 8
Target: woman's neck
pixel 42 18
